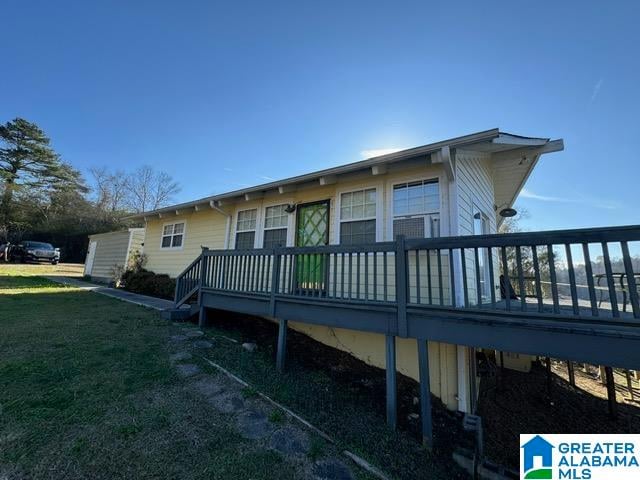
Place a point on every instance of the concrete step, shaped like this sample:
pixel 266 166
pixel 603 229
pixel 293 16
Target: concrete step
pixel 182 314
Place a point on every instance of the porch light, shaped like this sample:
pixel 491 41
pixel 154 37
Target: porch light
pixel 508 212
pixel 505 212
pixel 290 208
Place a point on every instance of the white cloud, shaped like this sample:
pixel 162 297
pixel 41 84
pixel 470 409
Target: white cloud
pixel 377 152
pixel 596 90
pixel 591 202
pixel 529 194
pixel 269 179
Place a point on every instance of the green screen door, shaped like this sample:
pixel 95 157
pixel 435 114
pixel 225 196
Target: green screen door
pixel 312 230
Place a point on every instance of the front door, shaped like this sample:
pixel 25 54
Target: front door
pixel 312 230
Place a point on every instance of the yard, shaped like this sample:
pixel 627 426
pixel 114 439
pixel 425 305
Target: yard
pixel 92 387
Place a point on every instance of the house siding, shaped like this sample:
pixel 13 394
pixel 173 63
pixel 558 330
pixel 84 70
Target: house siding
pixel 112 252
pixel 207 228
pixel 475 186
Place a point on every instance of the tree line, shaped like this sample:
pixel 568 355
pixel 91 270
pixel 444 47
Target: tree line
pixel 42 197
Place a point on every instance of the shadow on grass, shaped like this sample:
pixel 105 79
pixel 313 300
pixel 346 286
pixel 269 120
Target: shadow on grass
pixel 20 282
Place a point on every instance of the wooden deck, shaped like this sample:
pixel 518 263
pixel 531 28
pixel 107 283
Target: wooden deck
pixel 443 289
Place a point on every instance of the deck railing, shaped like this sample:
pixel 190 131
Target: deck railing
pixel 568 273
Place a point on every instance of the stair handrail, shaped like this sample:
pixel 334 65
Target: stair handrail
pixel 181 297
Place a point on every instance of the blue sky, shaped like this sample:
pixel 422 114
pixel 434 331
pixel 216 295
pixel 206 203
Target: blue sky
pixel 229 94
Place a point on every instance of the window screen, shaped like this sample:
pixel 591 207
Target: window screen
pixel 275 238
pixel 245 240
pixel 354 233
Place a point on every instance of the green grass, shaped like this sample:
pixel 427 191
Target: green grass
pixel 86 391
pixel 350 418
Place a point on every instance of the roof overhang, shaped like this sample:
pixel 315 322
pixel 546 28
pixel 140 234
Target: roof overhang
pixel 492 141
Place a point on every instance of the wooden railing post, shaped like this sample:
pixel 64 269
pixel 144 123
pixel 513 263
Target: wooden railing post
pixel 202 314
pixel 401 286
pixel 275 277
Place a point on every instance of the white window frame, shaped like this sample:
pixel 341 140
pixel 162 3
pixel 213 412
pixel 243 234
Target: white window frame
pixel 425 215
pixel 379 188
pixel 263 220
pixel 184 234
pixel 255 229
pixel 486 222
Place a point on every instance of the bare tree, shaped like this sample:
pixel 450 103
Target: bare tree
pixel 141 190
pixel 112 189
pixel 150 189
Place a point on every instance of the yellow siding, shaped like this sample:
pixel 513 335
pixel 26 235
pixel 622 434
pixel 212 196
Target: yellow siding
pixel 370 348
pixel 207 227
pixel 203 228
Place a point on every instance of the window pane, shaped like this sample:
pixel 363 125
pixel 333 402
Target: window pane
pixel 358 205
pixel 245 240
pixel 167 230
pixel 275 238
pixel 247 220
pixel 276 217
pixel 354 233
pixel 177 241
pixel 415 198
pixel 178 228
pixel 166 242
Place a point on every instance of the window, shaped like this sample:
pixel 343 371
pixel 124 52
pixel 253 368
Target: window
pixel 276 220
pixel 246 229
pixel 416 207
pixel 172 235
pixel 358 217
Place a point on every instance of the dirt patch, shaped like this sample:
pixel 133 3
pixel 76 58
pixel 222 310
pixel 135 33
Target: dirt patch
pixel 364 381
pixel 521 403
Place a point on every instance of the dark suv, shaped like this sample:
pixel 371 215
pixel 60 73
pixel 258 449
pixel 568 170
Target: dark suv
pixel 29 251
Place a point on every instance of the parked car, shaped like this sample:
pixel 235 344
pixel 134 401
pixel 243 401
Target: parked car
pixel 30 251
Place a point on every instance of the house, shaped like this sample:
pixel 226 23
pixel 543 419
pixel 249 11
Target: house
pixel 395 260
pixel 110 252
pixel 453 187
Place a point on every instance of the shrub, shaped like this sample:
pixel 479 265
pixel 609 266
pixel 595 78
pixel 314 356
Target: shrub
pixel 148 283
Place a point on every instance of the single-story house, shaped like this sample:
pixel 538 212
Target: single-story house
pixel 453 187
pixel 109 253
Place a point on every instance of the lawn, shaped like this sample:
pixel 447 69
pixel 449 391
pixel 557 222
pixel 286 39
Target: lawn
pixel 87 390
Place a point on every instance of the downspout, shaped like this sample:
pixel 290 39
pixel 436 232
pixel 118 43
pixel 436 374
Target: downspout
pixel 227 228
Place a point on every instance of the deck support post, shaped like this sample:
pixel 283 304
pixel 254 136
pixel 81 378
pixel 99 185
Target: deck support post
pixel 425 393
pixel 282 345
pixel 202 317
pixel 629 385
pixel 392 394
pixel 572 375
pixel 611 392
pixel 549 377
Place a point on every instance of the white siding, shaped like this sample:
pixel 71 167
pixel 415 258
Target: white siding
pixel 475 190
pixel 113 251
